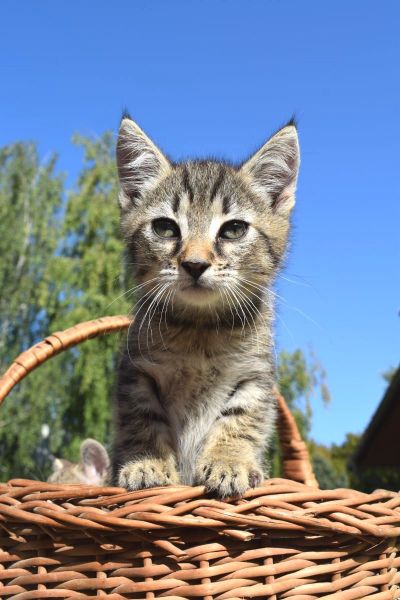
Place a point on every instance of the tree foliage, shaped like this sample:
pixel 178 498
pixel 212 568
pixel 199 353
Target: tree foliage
pixel 389 374
pixel 30 202
pixel 92 279
pixel 301 377
pixel 61 264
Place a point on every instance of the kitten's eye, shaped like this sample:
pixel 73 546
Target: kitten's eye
pixel 233 230
pixel 166 228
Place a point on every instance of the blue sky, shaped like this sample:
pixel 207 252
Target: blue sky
pixel 216 77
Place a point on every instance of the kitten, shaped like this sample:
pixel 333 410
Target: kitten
pixel 195 401
pixel 92 469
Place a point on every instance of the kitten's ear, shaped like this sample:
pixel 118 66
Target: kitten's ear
pixel 94 461
pixel 272 171
pixel 57 465
pixel 140 163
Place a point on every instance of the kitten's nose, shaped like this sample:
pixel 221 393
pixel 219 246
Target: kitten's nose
pixel 195 268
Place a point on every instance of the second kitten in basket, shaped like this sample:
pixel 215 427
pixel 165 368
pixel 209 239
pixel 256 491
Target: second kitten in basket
pixel 92 469
pixel 195 400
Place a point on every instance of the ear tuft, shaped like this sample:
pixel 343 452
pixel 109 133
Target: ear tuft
pixel 272 171
pixel 95 461
pixel 141 165
pixel 292 122
pixel 57 465
pixel 125 115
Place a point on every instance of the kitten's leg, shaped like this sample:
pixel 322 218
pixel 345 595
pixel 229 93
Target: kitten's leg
pixel 142 456
pixel 232 458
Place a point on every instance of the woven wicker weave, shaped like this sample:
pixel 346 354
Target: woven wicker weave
pixel 286 539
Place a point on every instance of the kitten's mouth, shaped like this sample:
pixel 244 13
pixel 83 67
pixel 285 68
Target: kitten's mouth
pixel 197 286
pixel 197 293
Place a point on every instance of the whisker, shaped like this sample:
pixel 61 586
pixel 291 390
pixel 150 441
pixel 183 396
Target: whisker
pixel 132 290
pixel 165 306
pixel 264 290
pixel 296 309
pixel 278 316
pixel 287 328
pixel 302 282
pixel 149 298
pixel 231 304
pixel 236 305
pixel 142 301
pixel 282 299
pixel 159 298
pixel 250 304
pixel 154 299
pixel 217 318
pixel 230 307
pixel 306 316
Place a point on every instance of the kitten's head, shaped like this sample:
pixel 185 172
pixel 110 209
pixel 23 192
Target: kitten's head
pixel 205 232
pixel 92 468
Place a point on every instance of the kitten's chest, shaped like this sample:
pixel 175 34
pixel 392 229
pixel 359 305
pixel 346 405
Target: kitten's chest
pixel 193 391
pixel 189 385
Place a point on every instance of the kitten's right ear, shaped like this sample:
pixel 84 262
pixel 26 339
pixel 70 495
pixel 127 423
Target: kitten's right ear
pixel 95 461
pixel 140 163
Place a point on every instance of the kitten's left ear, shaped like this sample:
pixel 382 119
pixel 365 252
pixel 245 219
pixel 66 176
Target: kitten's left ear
pixel 272 171
pixel 140 163
pixel 57 465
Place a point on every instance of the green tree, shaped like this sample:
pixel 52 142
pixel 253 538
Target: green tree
pixel 62 264
pixel 91 280
pixel 389 374
pixel 330 469
pixel 363 479
pixel 300 378
pixel 30 201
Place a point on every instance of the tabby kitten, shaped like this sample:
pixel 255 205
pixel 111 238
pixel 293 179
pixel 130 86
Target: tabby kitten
pixel 195 401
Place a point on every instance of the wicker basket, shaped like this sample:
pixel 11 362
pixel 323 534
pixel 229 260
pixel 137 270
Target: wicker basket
pixel 286 539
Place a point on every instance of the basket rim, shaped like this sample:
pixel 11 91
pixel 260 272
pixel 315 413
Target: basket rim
pixel 277 505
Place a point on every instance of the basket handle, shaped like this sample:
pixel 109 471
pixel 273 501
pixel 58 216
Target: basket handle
pixel 296 460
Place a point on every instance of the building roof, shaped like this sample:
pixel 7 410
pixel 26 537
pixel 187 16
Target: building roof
pixel 380 444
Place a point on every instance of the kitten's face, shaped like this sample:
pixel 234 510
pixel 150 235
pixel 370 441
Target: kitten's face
pixel 204 234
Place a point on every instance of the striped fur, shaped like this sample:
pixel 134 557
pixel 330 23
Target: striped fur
pixel 195 399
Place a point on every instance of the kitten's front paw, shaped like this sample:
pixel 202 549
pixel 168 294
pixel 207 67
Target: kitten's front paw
pixel 228 477
pixel 147 472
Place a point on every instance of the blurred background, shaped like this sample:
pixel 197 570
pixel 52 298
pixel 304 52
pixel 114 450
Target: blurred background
pixel 215 77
